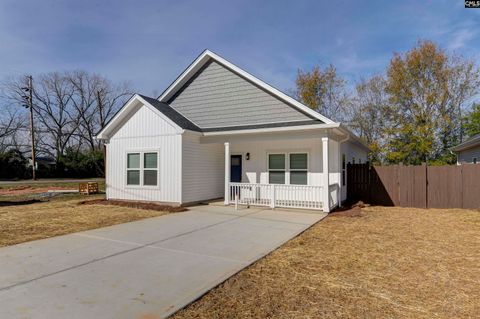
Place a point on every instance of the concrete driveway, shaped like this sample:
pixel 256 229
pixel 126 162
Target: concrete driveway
pixel 144 269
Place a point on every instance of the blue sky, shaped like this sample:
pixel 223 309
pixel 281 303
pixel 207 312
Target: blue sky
pixel 150 42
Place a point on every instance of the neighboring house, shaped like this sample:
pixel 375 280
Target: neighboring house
pixel 468 151
pixel 42 161
pixel 217 131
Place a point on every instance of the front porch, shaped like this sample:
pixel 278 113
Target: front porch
pixel 283 170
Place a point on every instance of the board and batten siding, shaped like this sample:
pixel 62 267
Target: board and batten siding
pixel 203 169
pixel 218 97
pixel 145 131
pixel 466 156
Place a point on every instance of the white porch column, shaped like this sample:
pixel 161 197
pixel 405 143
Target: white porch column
pixel 325 174
pixel 227 173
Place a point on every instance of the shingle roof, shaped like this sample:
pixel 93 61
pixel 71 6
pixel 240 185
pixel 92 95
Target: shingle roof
pixel 185 123
pixel 172 114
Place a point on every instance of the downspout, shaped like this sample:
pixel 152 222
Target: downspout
pixel 340 185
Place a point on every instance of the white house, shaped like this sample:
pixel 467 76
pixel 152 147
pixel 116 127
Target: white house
pixel 217 131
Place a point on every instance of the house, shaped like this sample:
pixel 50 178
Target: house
pixel 42 162
pixel 219 132
pixel 468 151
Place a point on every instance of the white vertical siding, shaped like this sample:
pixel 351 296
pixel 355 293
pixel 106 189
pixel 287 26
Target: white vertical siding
pixel 145 130
pixel 203 169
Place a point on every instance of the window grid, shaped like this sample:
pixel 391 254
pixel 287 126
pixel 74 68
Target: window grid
pixel 147 169
pixel 287 170
pixel 305 170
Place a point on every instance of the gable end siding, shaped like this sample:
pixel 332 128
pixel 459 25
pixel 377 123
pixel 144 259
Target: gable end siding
pixel 218 97
pixel 466 156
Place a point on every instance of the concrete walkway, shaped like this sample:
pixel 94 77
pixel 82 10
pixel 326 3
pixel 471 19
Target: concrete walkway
pixel 144 269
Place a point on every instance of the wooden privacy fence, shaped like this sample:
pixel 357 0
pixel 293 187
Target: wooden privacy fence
pixel 415 186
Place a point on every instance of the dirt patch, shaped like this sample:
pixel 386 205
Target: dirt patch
pixel 137 205
pixel 391 263
pixel 27 190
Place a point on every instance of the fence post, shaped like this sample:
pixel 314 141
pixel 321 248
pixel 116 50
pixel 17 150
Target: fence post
pixel 272 195
pixel 461 190
pixel 426 184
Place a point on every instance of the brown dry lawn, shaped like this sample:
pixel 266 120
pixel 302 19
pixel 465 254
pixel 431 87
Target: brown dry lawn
pixel 24 219
pixel 376 263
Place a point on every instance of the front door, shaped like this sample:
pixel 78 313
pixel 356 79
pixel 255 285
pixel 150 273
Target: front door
pixel 236 168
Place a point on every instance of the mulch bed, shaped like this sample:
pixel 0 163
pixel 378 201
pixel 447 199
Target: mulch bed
pixel 349 210
pixel 138 205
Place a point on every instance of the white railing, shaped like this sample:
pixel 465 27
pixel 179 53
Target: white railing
pixel 333 195
pixel 276 195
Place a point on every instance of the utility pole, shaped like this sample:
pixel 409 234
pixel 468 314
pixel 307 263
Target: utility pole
pixel 32 133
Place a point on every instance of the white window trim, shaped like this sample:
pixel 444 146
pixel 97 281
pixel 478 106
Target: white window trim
pixel 275 169
pixel 142 169
pixel 298 169
pixel 287 169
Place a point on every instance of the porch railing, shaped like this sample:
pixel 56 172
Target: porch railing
pixel 276 195
pixel 333 195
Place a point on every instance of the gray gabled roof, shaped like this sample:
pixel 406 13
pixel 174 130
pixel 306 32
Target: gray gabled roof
pixel 185 123
pixel 172 114
pixel 471 142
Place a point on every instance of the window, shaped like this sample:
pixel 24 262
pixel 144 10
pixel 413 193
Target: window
pixel 276 168
pixel 344 159
pixel 133 169
pixel 288 168
pixel 142 168
pixel 474 160
pixel 298 169
pixel 150 169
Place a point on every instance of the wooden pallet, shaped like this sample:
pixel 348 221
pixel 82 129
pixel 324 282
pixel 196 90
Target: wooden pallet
pixel 88 188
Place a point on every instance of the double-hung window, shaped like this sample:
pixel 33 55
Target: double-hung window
pixel 298 168
pixel 288 168
pixel 276 168
pixel 142 168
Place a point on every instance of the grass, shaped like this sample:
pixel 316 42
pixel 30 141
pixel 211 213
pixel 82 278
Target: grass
pixel 24 219
pixel 376 262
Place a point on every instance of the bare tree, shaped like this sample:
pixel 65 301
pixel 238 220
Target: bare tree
pixel 69 109
pixel 95 100
pixel 367 113
pixel 11 125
